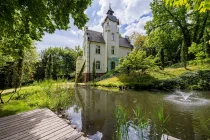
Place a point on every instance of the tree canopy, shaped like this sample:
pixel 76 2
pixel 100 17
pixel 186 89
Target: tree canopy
pixel 201 5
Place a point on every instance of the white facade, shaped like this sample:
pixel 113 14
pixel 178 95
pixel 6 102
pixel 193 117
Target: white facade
pixel 105 48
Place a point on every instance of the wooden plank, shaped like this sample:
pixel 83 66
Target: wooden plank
pixel 65 137
pixel 26 122
pixel 43 133
pixel 75 136
pixel 37 124
pixel 18 119
pixel 22 127
pixel 82 138
pixel 31 121
pixel 39 127
pixel 20 114
pixel 59 133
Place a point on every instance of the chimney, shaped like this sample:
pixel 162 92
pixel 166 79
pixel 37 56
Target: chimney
pixel 128 39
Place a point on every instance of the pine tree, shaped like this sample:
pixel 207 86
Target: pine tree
pixel 49 68
pixel 94 70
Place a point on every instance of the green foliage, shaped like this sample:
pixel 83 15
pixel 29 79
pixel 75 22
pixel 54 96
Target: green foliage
pixel 138 40
pixel 64 63
pixel 50 94
pixel 49 67
pixel 122 124
pixel 78 50
pixel 94 71
pixel 172 27
pixel 137 60
pixel 197 50
pixel 201 5
pixel 29 20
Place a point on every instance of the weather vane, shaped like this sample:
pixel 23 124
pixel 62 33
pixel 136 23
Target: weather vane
pixel 109 5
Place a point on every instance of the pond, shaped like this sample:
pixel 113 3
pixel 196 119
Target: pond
pixel 96 113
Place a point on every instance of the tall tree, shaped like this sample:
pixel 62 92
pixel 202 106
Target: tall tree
pixel 49 67
pixel 201 5
pixel 191 24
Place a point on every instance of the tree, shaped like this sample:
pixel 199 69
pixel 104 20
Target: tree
pixel 138 40
pixel 33 18
pixel 201 5
pixel 190 25
pixel 78 50
pixel 49 67
pixel 94 71
pixel 64 62
pixel 137 60
pixel 23 22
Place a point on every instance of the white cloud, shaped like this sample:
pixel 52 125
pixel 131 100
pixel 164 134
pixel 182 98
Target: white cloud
pixel 137 27
pixel 69 38
pixel 129 12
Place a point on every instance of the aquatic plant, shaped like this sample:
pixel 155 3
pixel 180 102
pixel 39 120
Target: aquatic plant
pixel 122 124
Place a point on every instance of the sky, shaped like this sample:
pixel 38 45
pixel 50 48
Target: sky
pixel 133 15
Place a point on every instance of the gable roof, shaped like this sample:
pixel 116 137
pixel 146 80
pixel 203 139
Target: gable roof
pixel 95 36
pixel 125 43
pixel 98 37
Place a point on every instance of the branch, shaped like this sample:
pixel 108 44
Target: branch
pixel 204 25
pixel 175 18
pixel 1 98
pixel 196 27
pixel 161 25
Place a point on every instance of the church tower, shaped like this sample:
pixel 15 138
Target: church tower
pixel 111 38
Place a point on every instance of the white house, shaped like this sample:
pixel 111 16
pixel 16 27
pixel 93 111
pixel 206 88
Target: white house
pixel 106 48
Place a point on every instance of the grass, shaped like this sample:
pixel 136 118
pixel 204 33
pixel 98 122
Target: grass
pixel 151 75
pixel 50 94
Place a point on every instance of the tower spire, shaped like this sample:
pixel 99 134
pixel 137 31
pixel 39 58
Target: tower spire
pixel 110 11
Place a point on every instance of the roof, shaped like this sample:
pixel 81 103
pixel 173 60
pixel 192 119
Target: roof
pixel 112 18
pixel 95 36
pixel 125 43
pixel 98 37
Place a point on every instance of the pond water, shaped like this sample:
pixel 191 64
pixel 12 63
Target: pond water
pixel 94 113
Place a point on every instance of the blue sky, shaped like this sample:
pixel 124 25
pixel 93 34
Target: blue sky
pixel 133 14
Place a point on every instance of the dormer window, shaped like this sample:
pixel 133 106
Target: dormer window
pixel 98 49
pixel 112 36
pixel 112 50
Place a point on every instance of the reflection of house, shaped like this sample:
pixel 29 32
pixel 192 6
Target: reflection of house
pixel 105 48
pixel 98 112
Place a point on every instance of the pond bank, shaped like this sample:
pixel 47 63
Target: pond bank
pixel 191 80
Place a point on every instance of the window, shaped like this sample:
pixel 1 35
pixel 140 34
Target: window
pixel 98 50
pixel 112 65
pixel 112 36
pixel 112 50
pixel 98 65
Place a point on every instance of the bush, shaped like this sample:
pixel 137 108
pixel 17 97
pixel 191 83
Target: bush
pixel 199 80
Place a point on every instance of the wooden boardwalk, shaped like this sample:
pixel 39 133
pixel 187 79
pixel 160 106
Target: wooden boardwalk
pixel 40 124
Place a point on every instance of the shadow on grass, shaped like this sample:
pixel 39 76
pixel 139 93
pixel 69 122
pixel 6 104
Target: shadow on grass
pixel 138 80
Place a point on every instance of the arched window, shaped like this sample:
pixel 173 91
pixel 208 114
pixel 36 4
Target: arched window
pixel 98 49
pixel 112 65
pixel 112 50
pixel 98 65
pixel 112 36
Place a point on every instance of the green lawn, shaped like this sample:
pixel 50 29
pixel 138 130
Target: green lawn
pixel 50 94
pixel 147 77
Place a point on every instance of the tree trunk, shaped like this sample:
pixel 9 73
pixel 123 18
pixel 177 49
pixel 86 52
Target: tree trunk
pixel 184 54
pixel 2 102
pixel 162 59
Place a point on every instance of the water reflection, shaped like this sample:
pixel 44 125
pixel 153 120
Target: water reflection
pixel 93 112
